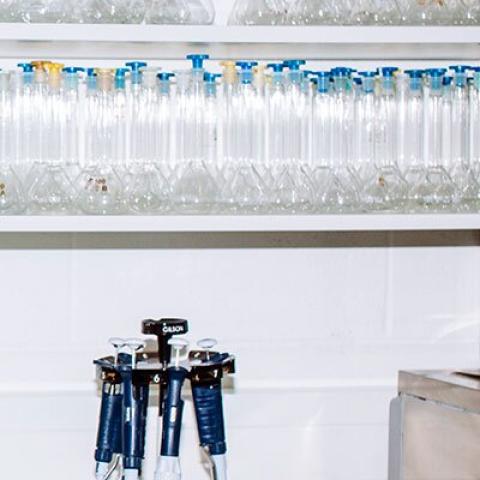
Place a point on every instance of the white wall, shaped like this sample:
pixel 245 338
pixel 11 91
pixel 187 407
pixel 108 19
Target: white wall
pixel 319 331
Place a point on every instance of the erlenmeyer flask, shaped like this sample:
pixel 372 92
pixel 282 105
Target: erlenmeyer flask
pixel 387 189
pixel 48 11
pixel 202 11
pixel 312 12
pixel 194 187
pixel 9 11
pixel 428 12
pixel 12 195
pixel 386 12
pixel 51 190
pixel 146 190
pixel 99 188
pixel 116 11
pixel 435 189
pixel 259 12
pixel 12 198
pixel 168 12
pixel 469 12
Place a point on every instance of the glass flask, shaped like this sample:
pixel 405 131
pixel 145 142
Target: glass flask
pixel 244 190
pixel 99 187
pixel 342 138
pixel 435 189
pixel 312 12
pixel 292 190
pixel 228 127
pixel 461 170
pixel 474 121
pixel 470 12
pixel 331 194
pixel 385 12
pixel 12 195
pixel 180 12
pixel 49 11
pixel 430 12
pixel 194 186
pixel 202 12
pixel 164 149
pixel 413 168
pixel 115 11
pixel 259 12
pixel 146 188
pixel 10 11
pixel 386 190
pixel 51 191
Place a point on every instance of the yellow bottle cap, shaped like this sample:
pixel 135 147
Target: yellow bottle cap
pixel 230 74
pixel 259 75
pixel 41 64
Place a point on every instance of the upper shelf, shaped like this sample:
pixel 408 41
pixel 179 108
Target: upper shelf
pixel 170 42
pixel 186 224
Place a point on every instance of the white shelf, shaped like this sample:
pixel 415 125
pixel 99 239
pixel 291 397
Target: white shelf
pixel 185 224
pixel 150 41
pixel 236 34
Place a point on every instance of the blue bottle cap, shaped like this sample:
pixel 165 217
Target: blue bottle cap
pixel 73 69
pixel 211 77
pixel 197 60
pixel 341 72
pixel 368 74
pixel 459 68
pixel 246 65
pixel 436 77
pixel 323 79
pixel 276 67
pixel 294 64
pixel 26 67
pixel 436 72
pixel 136 66
pixel 415 73
pixel 165 76
pixel 91 72
pixel 447 81
pixel 387 71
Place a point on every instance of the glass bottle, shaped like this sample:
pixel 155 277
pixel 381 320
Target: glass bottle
pixel 386 190
pixel 414 132
pixel 98 185
pixel 180 12
pixel 342 138
pixel 52 191
pixel 245 190
pixel 195 189
pixel 166 132
pixel 259 12
pixel 115 11
pixel 228 133
pixel 331 195
pixel 312 12
pixel 146 188
pixel 461 172
pixel 292 190
pixel 12 195
pixel 435 190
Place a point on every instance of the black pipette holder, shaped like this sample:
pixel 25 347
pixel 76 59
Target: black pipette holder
pixel 151 367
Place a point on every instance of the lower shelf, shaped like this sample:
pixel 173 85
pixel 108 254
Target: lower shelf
pixel 178 224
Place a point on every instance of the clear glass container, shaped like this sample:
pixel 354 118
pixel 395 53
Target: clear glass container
pixel 180 12
pixel 259 12
pixel 313 12
pixel 115 11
